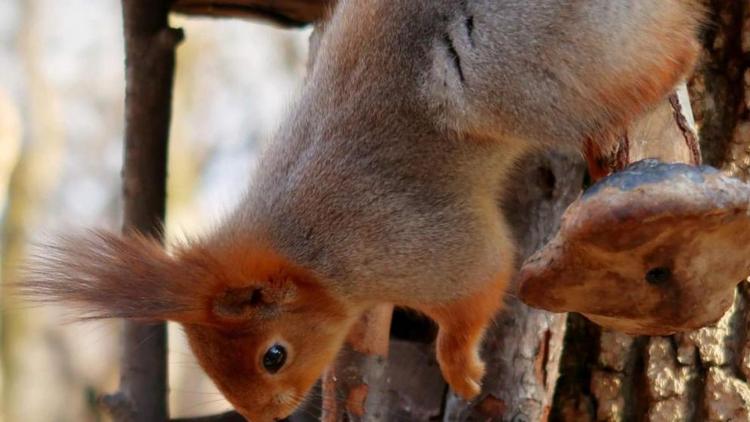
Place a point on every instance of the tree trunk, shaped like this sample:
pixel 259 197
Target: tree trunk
pixel 701 375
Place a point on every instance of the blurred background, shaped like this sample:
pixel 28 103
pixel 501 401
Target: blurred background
pixel 61 128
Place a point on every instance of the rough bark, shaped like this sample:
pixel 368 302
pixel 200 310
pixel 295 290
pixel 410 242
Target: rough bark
pixel 718 90
pixel 281 12
pixel 693 376
pixel 150 58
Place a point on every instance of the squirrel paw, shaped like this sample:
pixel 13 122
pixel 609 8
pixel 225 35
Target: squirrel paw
pixel 463 371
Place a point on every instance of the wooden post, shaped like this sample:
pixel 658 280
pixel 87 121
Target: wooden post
pixel 149 58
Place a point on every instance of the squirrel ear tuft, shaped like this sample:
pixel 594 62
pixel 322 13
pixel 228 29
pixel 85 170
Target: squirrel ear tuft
pixel 260 300
pixel 107 275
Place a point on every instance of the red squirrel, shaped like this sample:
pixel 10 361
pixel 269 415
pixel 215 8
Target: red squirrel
pixel 381 186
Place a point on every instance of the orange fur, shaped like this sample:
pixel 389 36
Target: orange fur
pixel 462 327
pixel 638 87
pixel 234 301
pixel 106 275
pixel 293 308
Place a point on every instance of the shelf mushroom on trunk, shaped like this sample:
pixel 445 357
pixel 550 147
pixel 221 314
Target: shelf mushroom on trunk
pixel 655 247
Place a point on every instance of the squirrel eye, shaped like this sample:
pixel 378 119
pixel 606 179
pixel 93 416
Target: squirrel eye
pixel 274 358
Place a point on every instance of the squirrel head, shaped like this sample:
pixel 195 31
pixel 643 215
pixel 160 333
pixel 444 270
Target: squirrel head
pixel 262 328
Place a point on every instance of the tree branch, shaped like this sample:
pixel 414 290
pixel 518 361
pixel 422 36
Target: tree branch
pixel 224 417
pixel 150 58
pixel 290 13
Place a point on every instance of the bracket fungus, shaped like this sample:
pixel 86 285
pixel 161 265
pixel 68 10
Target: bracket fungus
pixel 654 248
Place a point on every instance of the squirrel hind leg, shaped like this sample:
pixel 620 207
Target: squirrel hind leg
pixel 462 326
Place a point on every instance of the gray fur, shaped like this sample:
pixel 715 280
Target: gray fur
pixel 384 177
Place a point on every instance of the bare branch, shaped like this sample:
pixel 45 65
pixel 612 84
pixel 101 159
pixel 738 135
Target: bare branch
pixel 282 12
pixel 150 56
pixel 224 417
